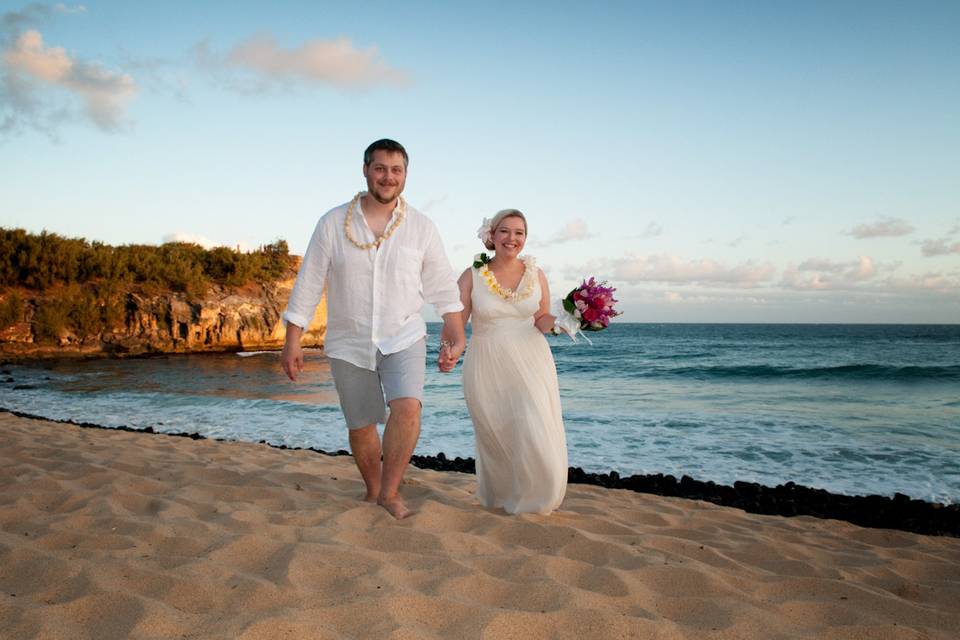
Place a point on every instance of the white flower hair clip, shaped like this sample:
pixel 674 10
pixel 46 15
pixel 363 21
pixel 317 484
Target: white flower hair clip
pixel 484 231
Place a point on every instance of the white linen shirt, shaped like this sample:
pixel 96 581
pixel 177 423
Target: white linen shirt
pixel 374 296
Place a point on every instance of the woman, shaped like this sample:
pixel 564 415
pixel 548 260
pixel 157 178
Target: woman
pixel 509 377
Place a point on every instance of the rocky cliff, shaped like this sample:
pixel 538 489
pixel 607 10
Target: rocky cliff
pixel 224 319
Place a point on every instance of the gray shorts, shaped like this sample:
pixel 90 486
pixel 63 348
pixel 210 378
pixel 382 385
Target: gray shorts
pixel 364 394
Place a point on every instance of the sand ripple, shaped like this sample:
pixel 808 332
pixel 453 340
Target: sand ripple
pixel 120 535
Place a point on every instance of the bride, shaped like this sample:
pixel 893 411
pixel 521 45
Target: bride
pixel 509 377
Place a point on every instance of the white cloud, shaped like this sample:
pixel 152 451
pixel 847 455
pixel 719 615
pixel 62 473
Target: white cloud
pixel 638 300
pixel 863 267
pixel 69 10
pixel 652 231
pixel 866 277
pixel 789 220
pixel 207 243
pixel 180 236
pixel 158 75
pixel 939 247
pixel 32 69
pixel 883 228
pixel 938 282
pixel 335 62
pixel 430 204
pixel 11 21
pixel 51 65
pixel 821 273
pixel 668 288
pixel 574 230
pixel 736 242
pixel 672 269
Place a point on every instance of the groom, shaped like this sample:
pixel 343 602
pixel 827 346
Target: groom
pixel 379 260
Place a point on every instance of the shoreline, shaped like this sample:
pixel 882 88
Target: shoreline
pixel 899 512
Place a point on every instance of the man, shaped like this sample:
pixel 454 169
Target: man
pixel 379 260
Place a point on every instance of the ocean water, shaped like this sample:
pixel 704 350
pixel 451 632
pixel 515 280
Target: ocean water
pixel 853 409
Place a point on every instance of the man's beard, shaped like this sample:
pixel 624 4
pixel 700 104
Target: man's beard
pixel 375 192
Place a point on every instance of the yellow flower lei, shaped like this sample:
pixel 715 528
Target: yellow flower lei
pixel 348 222
pixel 510 295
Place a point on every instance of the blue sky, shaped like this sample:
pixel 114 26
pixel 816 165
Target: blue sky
pixel 716 161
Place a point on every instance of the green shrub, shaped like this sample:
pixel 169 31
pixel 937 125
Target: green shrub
pixel 11 310
pixel 84 313
pixel 49 320
pixel 112 304
pixel 45 260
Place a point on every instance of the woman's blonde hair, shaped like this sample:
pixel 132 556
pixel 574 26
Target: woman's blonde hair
pixel 500 217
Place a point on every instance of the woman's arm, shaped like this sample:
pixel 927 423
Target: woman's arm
pixel 465 282
pixel 452 339
pixel 542 319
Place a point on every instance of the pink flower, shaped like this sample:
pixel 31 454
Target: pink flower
pixel 593 304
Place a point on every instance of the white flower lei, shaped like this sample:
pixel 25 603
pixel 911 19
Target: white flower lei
pixel 524 287
pixel 348 222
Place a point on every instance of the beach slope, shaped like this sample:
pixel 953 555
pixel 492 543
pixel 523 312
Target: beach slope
pixel 111 534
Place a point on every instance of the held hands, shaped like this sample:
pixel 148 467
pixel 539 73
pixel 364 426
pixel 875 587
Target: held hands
pixel 452 341
pixel 450 352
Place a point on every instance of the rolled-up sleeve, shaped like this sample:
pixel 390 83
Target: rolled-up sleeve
pixel 439 285
pixel 311 278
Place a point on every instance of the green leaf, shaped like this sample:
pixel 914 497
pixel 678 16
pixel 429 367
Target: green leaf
pixel 569 306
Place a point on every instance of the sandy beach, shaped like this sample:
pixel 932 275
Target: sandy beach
pixel 111 534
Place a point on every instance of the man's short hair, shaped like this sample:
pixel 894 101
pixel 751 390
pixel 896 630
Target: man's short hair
pixel 388 145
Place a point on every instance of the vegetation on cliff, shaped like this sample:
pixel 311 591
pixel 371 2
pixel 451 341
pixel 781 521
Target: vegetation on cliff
pixel 71 285
pixel 40 261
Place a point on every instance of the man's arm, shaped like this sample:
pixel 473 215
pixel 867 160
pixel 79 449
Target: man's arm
pixel 304 298
pixel 440 289
pixel 311 278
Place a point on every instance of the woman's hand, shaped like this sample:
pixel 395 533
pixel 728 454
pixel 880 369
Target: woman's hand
pixel 452 342
pixel 545 322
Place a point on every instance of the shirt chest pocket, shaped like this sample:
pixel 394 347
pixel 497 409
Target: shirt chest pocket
pixel 406 268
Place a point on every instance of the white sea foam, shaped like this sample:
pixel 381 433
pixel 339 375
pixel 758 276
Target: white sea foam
pixel 855 437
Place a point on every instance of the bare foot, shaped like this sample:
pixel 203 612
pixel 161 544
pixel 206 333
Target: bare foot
pixel 395 507
pixel 371 497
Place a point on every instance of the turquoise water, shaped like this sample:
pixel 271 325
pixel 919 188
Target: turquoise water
pixel 850 408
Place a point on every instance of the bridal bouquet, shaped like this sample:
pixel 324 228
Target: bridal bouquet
pixel 589 307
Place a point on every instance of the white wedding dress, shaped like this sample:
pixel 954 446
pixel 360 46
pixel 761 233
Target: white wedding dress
pixel 510 385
